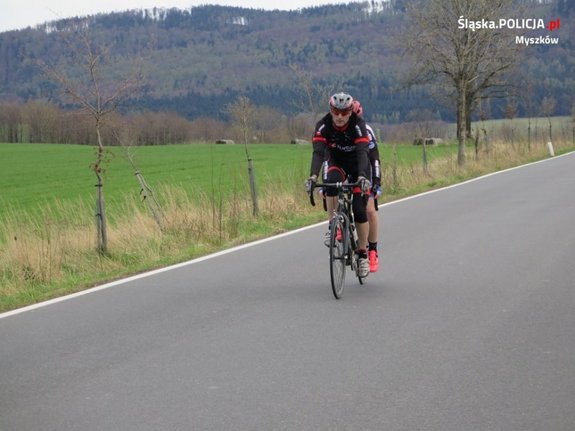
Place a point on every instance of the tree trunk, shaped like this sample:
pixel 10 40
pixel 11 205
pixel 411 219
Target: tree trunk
pixel 253 187
pixel 149 199
pixel 461 122
pixel 101 224
pixel 468 108
pixel 101 217
pixel 425 163
pixel 529 135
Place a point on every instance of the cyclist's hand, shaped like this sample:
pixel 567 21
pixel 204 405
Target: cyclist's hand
pixel 310 183
pixel 364 184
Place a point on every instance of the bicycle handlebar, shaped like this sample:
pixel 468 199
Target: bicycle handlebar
pixel 339 185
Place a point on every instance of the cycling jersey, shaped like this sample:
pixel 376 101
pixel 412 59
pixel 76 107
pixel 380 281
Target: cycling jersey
pixel 346 147
pixel 374 157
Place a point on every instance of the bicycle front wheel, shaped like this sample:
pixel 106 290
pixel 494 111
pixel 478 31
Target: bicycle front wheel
pixel 338 244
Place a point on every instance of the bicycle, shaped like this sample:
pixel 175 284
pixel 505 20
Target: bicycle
pixel 343 241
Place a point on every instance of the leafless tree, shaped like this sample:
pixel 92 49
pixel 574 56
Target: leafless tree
pixel 41 119
pixel 87 81
pixel 314 95
pixel 548 105
pixel 510 112
pixel 11 122
pixel 243 114
pixel 528 100
pixel 470 61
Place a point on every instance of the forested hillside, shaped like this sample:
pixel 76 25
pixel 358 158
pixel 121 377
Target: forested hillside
pixel 196 61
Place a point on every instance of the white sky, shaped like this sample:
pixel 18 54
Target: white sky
pixel 17 14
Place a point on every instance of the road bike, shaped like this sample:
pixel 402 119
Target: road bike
pixel 343 239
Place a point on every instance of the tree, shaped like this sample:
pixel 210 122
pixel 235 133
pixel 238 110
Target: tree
pixel 41 119
pixel 243 114
pixel 313 94
pixel 470 60
pixel 528 100
pixel 510 112
pixel 10 122
pixel 97 94
pixel 548 105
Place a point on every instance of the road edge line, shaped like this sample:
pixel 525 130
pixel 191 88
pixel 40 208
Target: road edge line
pixel 249 244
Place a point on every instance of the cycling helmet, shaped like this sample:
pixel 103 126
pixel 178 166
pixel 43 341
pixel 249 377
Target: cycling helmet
pixel 341 101
pixel 356 106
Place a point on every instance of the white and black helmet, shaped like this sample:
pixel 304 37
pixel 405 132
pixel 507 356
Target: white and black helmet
pixel 341 101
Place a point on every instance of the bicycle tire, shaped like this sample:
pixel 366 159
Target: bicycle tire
pixel 353 255
pixel 338 253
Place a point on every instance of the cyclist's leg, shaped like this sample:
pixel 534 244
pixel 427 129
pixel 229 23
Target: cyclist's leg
pixel 372 216
pixel 372 219
pixel 362 226
pixel 361 219
pixel 331 174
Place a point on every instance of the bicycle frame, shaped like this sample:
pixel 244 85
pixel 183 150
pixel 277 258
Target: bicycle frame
pixel 344 204
pixel 343 216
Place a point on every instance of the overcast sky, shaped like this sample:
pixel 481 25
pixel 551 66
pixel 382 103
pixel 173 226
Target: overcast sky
pixel 17 14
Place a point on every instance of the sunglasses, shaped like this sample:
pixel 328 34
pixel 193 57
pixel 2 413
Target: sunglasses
pixel 340 112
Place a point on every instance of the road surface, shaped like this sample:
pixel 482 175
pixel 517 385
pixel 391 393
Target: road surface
pixel 468 326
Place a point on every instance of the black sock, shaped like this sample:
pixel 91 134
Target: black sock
pixel 372 246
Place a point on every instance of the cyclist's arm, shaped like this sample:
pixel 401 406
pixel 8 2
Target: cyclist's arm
pixel 375 165
pixel 318 155
pixel 362 148
pixel 362 158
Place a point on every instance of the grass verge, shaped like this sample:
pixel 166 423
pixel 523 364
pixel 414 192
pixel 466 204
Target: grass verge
pixel 50 252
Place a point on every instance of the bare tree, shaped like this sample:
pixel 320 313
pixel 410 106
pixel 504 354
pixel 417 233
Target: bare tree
pixel 11 128
pixel 510 112
pixel 94 90
pixel 528 101
pixel 41 119
pixel 471 61
pixel 243 114
pixel 314 95
pixel 548 105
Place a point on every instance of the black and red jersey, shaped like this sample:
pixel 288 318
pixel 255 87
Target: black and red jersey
pixel 346 147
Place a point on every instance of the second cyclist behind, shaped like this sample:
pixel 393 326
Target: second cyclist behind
pixel 372 209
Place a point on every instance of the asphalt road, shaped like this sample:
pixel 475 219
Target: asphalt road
pixel 468 325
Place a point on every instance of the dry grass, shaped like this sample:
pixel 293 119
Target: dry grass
pixel 440 172
pixel 52 253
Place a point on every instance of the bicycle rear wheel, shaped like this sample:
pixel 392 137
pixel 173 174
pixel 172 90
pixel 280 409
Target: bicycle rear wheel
pixel 338 244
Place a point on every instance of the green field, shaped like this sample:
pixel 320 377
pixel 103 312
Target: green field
pixel 47 214
pixel 36 174
pixel 562 128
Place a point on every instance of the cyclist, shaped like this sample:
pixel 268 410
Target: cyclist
pixel 375 192
pixel 342 140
